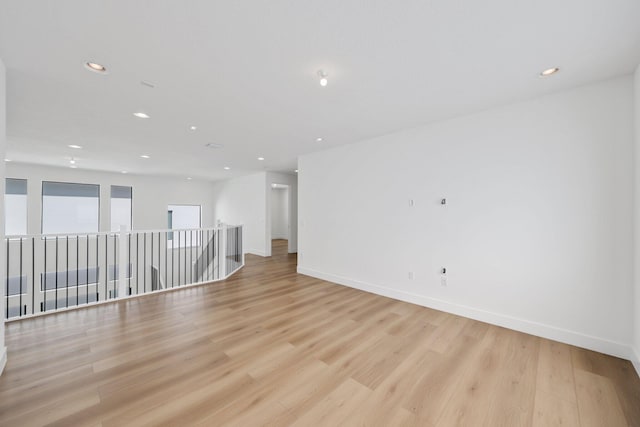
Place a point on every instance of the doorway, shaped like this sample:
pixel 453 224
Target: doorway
pixel 280 224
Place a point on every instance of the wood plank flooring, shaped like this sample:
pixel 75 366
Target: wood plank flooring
pixel 270 347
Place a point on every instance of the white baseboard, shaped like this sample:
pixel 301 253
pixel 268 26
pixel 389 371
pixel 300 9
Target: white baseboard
pixel 3 356
pixel 523 325
pixel 636 360
pixel 256 252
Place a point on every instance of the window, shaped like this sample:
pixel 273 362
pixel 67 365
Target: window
pixel 70 208
pixel 180 217
pixel 15 207
pixel 121 207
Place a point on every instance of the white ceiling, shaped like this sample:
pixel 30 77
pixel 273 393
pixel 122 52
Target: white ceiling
pixel 245 73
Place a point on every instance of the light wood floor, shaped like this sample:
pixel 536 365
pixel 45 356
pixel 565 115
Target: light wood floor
pixel 270 347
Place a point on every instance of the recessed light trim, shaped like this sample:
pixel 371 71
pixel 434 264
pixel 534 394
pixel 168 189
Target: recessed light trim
pixel 74 146
pixel 549 72
pixel 145 156
pixel 193 127
pixel 141 115
pixel 227 168
pixel 261 158
pixel 95 67
pixel 323 78
pixel 318 139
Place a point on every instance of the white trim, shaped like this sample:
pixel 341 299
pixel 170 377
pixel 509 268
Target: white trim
pixel 527 326
pixel 3 355
pixel 257 252
pixel 636 360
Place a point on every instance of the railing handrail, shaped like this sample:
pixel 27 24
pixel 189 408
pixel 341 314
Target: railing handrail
pixel 112 233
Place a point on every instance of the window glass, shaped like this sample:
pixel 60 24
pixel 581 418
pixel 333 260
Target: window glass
pixel 15 207
pixel 70 208
pixel 181 217
pixel 121 207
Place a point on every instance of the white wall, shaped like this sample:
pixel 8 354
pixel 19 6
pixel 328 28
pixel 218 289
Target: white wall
pixel 279 213
pixel 636 308
pixel 537 232
pixel 3 145
pixel 243 201
pixel 292 182
pixel 151 195
pixel 247 200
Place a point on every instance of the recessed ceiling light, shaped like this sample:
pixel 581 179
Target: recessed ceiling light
pixel 323 78
pixel 227 168
pixel 189 178
pixel 145 156
pixel 123 171
pixel 296 171
pixel 72 161
pixel 213 145
pixel 260 158
pixel 549 71
pixel 93 66
pixel 141 115
pixel 7 160
pixel 318 139
pixel 74 146
pixel 193 127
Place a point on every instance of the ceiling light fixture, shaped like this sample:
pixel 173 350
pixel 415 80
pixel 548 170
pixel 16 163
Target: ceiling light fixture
pixel 123 172
pixel 94 66
pixel 227 168
pixel 318 139
pixel 189 178
pixel 74 146
pixel 260 158
pixel 549 71
pixel 145 156
pixel 193 127
pixel 72 161
pixel 323 78
pixel 7 160
pixel 296 171
pixel 141 115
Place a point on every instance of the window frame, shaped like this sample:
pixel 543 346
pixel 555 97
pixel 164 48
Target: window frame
pixel 111 206
pixel 42 195
pixel 26 196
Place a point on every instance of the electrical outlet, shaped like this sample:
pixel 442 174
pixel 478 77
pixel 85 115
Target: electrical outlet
pixel 443 280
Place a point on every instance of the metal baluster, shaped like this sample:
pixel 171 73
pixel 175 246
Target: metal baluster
pixel 7 294
pixel 129 267
pixel 66 294
pixel 33 275
pixel 78 269
pixel 56 304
